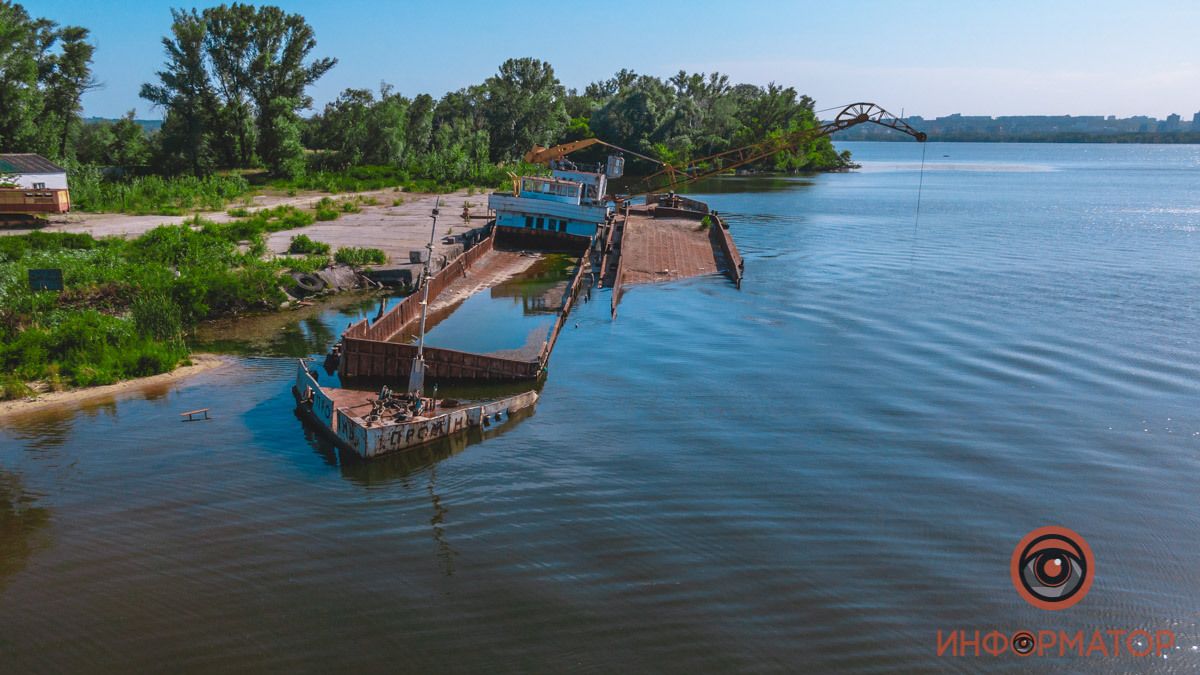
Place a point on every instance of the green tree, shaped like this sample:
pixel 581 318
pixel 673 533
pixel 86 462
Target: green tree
pixel 186 94
pixel 636 117
pixel 122 143
pixel 387 125
pixel 20 98
pixel 524 106
pixel 67 75
pixel 228 42
pixel 129 147
pixel 343 126
pixel 279 76
pixel 419 133
pixel 279 138
pixel 44 70
pixel 93 143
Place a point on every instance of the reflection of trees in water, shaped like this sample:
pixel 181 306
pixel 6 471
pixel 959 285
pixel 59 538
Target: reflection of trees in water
pixel 299 332
pixel 49 427
pixel 21 524
pixel 539 288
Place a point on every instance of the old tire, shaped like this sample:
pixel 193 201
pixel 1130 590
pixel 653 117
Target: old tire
pixel 309 283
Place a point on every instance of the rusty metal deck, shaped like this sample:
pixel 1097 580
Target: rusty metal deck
pixel 666 249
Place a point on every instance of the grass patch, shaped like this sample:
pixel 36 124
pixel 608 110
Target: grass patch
pixel 153 195
pixel 357 257
pixel 307 263
pixel 277 219
pixel 421 179
pixel 302 244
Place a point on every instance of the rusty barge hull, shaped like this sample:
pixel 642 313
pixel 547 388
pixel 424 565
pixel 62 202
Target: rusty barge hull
pixel 339 415
pixel 368 354
pixel 667 239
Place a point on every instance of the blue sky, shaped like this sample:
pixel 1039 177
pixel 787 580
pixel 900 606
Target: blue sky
pixel 926 58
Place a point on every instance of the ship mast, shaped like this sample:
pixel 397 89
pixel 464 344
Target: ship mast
pixel 416 376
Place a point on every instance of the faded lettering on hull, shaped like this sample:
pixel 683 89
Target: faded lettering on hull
pixel 372 441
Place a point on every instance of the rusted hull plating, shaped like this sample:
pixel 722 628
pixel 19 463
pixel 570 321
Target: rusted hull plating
pixel 367 441
pixel 368 353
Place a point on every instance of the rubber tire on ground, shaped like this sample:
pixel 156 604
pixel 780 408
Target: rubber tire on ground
pixel 309 282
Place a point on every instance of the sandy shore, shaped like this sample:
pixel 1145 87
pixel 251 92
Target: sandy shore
pixel 62 399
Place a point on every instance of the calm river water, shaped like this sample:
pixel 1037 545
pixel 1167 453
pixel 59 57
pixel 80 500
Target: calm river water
pixel 814 473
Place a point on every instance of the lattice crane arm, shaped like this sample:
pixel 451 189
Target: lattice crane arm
pixel 671 177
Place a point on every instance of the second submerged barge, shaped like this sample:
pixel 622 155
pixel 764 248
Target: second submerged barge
pixel 668 238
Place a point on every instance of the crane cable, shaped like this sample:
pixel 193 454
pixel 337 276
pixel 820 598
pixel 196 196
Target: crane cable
pixel 917 215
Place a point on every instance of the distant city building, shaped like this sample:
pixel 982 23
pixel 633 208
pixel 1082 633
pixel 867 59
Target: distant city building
pixel 1170 124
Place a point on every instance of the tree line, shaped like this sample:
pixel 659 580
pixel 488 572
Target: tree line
pixel 233 89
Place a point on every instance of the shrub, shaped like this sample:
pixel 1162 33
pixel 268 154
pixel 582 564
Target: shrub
pixel 156 316
pixel 153 194
pixel 308 264
pixel 11 387
pixel 357 257
pixel 277 219
pixel 302 244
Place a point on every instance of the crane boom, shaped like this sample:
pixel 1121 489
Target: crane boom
pixel 670 177
pixel 540 155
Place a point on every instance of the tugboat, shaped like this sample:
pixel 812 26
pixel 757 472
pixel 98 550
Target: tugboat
pixel 371 424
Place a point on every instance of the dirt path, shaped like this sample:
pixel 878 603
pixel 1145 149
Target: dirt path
pixel 394 229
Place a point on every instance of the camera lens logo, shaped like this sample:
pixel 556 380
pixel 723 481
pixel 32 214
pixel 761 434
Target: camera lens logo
pixel 1052 568
pixel 1023 643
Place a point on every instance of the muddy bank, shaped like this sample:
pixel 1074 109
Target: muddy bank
pixel 71 397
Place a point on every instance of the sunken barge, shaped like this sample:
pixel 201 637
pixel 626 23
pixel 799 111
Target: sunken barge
pixel 609 246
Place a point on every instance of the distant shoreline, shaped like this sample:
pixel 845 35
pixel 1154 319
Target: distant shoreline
pixel 1114 139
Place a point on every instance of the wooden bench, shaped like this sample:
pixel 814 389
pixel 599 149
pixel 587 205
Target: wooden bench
pixel 191 413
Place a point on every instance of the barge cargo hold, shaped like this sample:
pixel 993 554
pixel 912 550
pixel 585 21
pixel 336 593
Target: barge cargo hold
pixel 369 352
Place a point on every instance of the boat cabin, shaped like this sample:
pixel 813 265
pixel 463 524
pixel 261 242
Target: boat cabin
pixel 571 201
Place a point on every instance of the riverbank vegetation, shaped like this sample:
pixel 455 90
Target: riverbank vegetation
pixel 129 302
pixel 233 93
